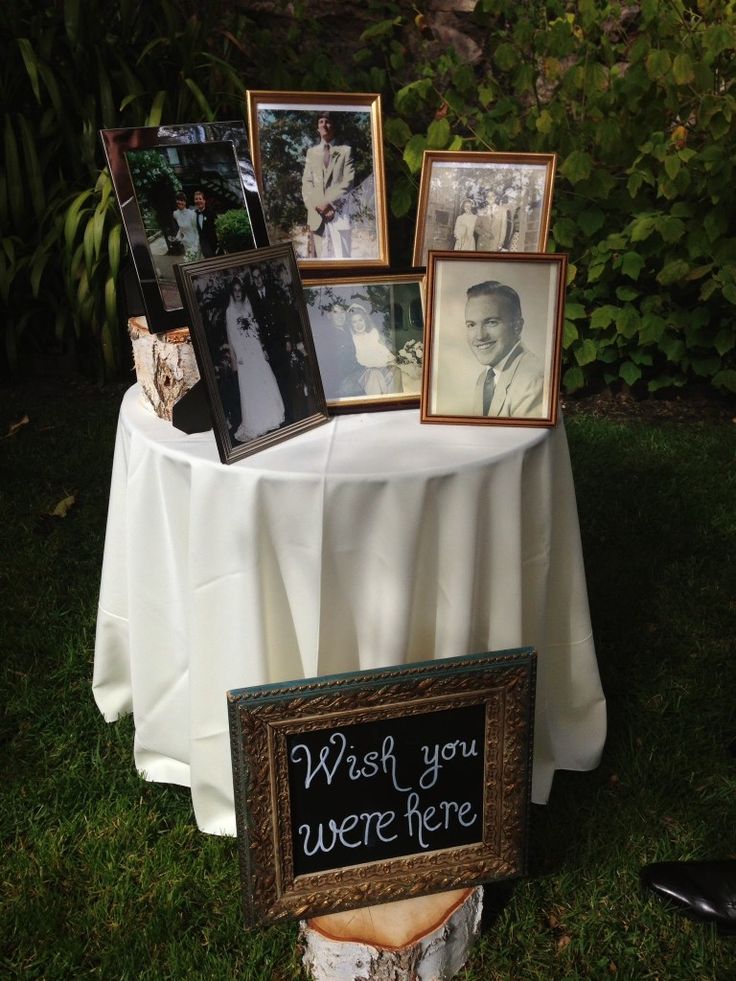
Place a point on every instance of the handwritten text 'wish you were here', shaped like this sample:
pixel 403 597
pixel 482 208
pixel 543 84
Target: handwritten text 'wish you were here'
pixel 386 788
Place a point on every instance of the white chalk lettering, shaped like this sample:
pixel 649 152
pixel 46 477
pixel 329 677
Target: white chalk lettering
pixel 324 837
pixel 334 753
pixel 337 740
pixel 369 767
pixel 388 762
pixel 381 820
pixel 461 810
pixel 430 820
pixel 447 752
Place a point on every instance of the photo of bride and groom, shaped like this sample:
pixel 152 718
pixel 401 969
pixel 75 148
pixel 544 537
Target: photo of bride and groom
pixel 253 340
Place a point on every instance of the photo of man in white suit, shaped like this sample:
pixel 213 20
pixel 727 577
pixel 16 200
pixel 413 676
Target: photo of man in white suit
pixel 327 184
pixel 512 381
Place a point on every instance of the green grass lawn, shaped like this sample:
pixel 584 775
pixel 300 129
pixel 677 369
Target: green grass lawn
pixel 104 875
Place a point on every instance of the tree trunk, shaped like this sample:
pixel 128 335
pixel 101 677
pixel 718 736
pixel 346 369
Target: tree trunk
pixel 165 365
pixel 425 939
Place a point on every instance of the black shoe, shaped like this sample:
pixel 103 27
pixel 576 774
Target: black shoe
pixel 704 891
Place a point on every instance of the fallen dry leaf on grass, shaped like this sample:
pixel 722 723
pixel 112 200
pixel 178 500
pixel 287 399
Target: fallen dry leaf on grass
pixel 15 426
pixel 62 508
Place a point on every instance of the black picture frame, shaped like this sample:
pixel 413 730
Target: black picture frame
pixel 215 144
pixel 255 353
pixel 333 774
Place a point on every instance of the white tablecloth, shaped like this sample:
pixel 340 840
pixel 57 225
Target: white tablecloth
pixel 370 541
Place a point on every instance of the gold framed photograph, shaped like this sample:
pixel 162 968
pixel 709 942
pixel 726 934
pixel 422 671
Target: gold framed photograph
pixel 379 785
pixel 318 158
pixel 493 338
pixel 368 334
pixel 483 202
pixel 254 348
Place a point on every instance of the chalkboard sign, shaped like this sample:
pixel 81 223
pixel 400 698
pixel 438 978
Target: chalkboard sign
pixel 356 789
pixel 378 790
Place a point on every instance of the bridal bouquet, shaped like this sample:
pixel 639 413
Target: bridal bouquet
pixel 409 361
pixel 410 358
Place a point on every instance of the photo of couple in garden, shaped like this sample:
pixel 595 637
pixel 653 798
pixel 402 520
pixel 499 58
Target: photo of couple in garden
pixel 192 205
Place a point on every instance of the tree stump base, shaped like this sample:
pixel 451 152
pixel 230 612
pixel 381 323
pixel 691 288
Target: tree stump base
pixel 425 939
pixel 165 365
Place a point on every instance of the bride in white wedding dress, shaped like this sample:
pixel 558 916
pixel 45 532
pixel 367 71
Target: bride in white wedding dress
pixel 262 407
pixel 187 234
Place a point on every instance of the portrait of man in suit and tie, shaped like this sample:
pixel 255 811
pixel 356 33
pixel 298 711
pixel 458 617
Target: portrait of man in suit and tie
pixel 494 338
pixel 327 185
pixel 512 380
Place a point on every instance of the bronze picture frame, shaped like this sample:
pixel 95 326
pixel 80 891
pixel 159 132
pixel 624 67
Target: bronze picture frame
pixel 254 349
pixel 330 203
pixel 483 202
pixel 364 788
pixel 369 335
pixel 213 157
pixel 493 338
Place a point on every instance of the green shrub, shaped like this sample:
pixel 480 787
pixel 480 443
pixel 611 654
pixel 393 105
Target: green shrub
pixel 68 70
pixel 233 231
pixel 636 100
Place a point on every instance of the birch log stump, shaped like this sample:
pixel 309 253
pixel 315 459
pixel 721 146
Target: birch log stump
pixel 425 939
pixel 165 365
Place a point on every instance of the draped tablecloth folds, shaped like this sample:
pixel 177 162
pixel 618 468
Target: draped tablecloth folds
pixel 370 541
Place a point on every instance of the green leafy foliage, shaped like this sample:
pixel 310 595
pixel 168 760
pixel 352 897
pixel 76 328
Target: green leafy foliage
pixel 233 230
pixel 639 104
pixel 637 101
pixel 68 70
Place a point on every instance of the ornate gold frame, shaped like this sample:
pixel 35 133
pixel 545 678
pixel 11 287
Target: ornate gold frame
pixel 262 718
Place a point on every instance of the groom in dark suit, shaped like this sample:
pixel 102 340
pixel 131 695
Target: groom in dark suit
pixel 267 302
pixel 205 225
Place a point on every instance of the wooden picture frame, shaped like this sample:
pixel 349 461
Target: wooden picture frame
pixel 254 348
pixel 493 338
pixel 483 202
pixel 331 208
pixel 209 157
pixel 364 788
pixel 369 335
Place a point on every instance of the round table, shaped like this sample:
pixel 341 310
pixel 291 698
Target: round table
pixel 368 542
